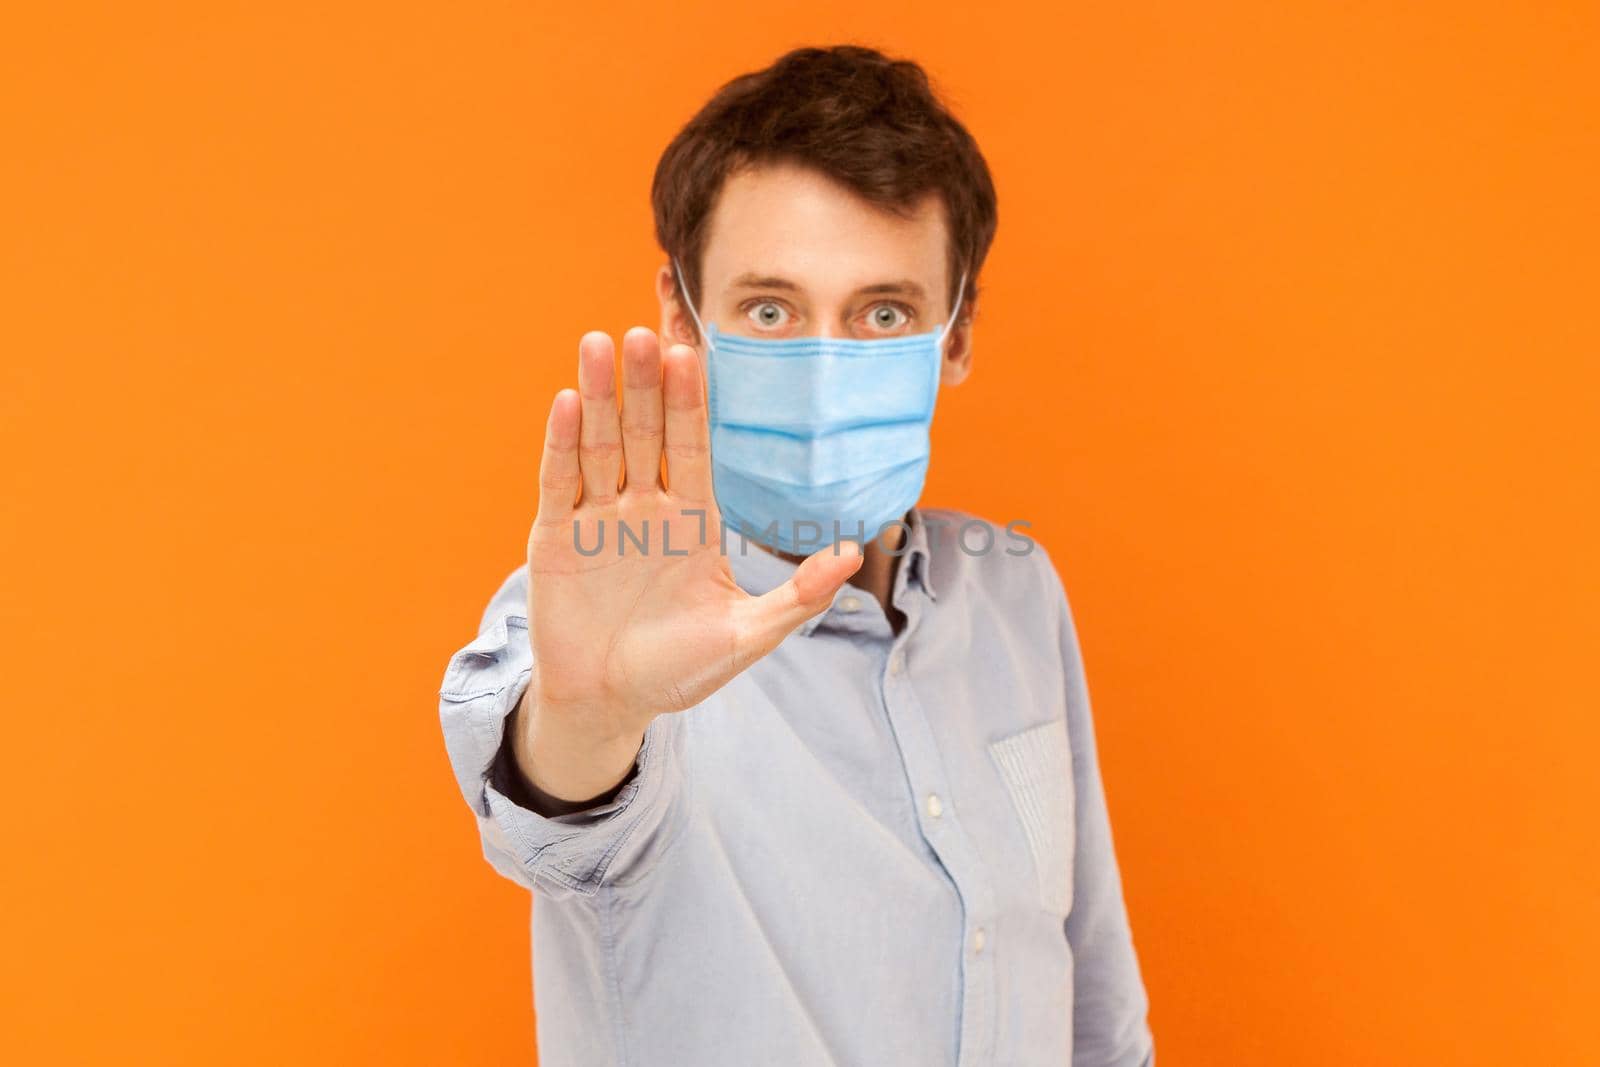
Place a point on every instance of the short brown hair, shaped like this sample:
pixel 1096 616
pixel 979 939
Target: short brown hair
pixel 868 121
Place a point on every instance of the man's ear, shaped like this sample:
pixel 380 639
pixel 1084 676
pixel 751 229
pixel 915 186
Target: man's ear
pixel 957 363
pixel 676 325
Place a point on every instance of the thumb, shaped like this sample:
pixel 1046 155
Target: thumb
pixel 773 616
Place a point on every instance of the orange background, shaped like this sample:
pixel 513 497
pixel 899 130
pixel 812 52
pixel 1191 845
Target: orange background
pixel 1288 350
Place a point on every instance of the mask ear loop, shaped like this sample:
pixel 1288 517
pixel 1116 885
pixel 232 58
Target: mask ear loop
pixel 689 303
pixel 961 293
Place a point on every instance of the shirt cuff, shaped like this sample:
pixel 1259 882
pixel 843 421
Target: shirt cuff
pixel 572 853
pixel 576 851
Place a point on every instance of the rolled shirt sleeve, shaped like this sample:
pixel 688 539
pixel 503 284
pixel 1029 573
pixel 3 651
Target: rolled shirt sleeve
pixel 1110 1005
pixel 559 855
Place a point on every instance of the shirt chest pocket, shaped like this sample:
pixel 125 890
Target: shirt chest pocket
pixel 1036 766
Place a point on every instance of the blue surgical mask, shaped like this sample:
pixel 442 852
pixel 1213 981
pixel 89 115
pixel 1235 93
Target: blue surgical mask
pixel 814 439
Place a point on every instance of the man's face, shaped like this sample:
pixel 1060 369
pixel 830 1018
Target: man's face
pixel 791 253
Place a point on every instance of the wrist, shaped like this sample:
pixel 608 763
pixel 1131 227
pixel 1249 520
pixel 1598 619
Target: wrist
pixel 571 755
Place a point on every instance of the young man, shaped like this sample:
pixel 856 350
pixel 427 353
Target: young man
pixel 777 805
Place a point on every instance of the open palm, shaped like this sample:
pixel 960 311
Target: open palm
pixel 652 622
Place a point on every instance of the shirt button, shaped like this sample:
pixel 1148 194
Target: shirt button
pixel 935 806
pixel 850 603
pixel 897 662
pixel 977 940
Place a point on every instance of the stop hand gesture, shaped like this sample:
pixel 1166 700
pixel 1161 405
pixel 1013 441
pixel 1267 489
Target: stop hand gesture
pixel 623 634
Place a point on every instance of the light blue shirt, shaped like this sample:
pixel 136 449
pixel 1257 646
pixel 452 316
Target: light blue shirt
pixel 867 849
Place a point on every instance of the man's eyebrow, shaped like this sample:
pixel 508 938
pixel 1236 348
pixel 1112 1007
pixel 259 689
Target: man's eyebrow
pixel 904 287
pixel 764 281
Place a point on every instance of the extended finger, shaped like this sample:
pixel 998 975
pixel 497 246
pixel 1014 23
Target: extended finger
pixel 558 465
pixel 641 408
pixel 688 444
pixel 771 617
pixel 600 439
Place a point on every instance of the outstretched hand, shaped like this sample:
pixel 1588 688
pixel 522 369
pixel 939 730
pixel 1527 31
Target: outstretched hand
pixel 633 610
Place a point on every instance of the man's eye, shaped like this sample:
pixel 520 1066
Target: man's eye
pixel 888 317
pixel 768 314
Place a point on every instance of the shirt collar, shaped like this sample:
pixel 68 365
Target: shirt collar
pixel 758 571
pixel 917 563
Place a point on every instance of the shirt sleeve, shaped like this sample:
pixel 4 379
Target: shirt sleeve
pixel 561 855
pixel 1110 1006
